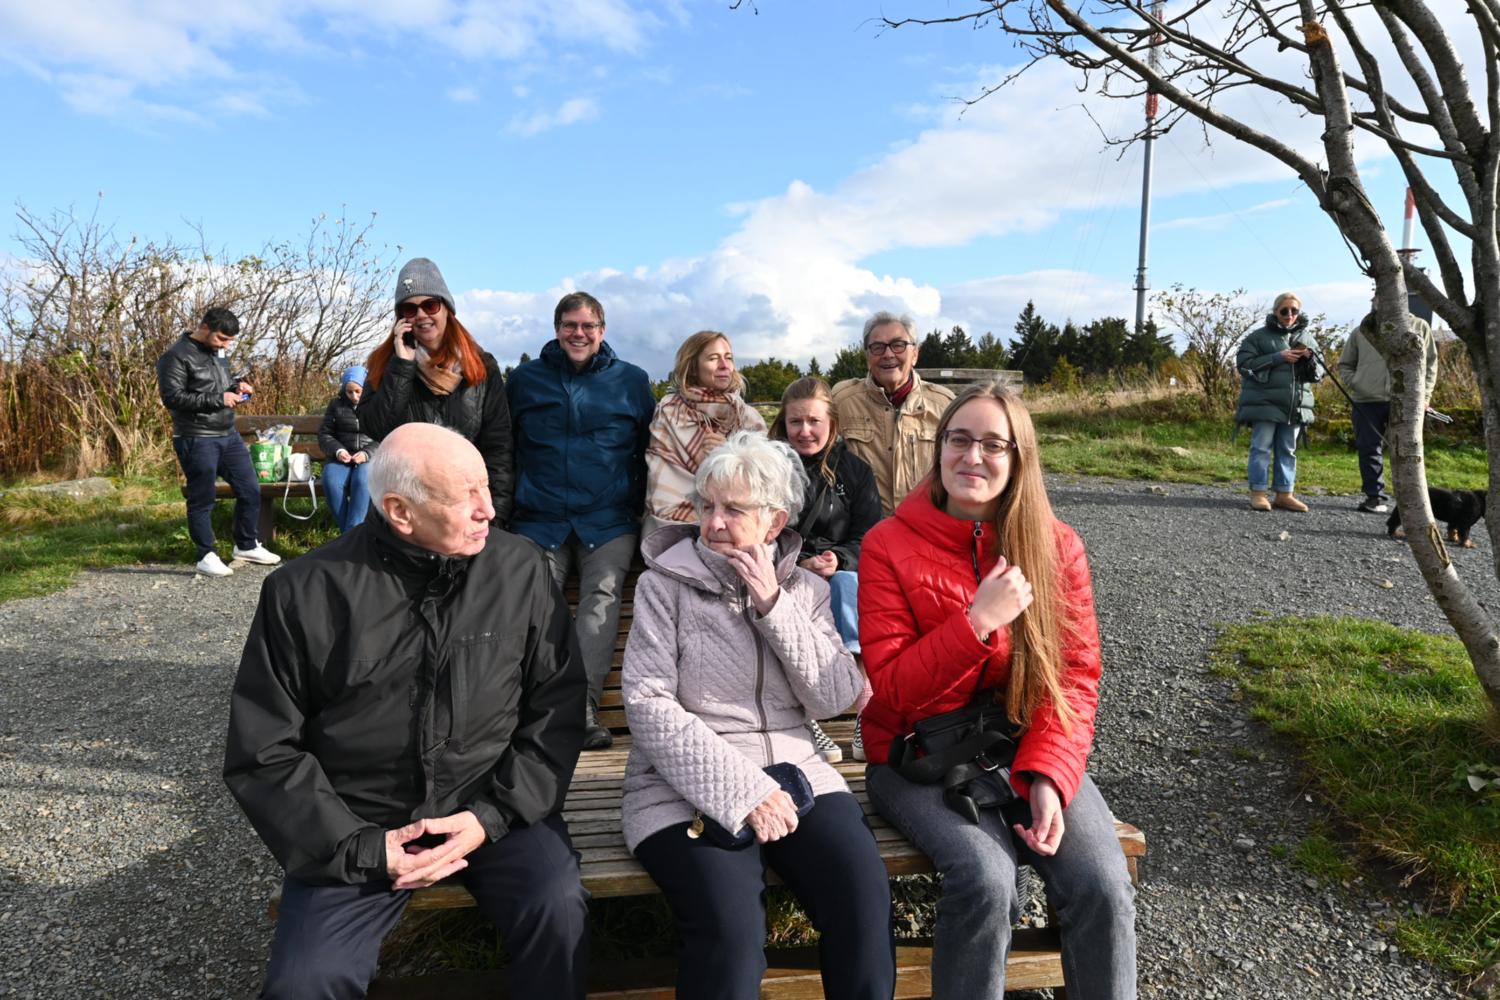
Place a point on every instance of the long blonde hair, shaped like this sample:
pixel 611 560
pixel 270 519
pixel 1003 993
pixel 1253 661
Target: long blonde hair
pixel 685 368
pixel 1027 536
pixel 810 387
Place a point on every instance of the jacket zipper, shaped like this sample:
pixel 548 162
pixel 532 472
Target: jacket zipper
pixel 760 675
pixel 974 558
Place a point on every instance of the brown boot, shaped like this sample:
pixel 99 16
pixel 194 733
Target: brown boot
pixel 1259 500
pixel 1288 502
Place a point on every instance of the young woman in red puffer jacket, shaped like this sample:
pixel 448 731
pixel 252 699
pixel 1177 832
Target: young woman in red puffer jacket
pixel 975 589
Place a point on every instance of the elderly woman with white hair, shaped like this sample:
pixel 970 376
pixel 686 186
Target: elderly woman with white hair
pixel 732 652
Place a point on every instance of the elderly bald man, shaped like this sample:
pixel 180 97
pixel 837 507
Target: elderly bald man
pixel 409 706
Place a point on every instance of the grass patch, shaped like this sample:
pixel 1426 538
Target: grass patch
pixel 1389 724
pixel 1325 859
pixel 1134 440
pixel 46 539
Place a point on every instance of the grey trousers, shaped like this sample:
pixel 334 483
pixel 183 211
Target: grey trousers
pixel 1087 883
pixel 601 582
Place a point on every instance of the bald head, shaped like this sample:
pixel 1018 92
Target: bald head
pixel 431 486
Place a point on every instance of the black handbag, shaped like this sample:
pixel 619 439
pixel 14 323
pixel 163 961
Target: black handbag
pixel 957 747
pixel 792 781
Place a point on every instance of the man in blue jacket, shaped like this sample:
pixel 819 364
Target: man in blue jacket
pixel 582 420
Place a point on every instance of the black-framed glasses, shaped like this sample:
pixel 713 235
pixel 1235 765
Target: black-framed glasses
pixel 408 310
pixel 1288 311
pixel 572 327
pixel 876 348
pixel 960 442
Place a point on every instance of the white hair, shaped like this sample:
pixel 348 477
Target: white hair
pixel 882 318
pixel 770 470
pixel 394 470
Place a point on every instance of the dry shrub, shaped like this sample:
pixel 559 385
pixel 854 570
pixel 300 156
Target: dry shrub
pixel 84 317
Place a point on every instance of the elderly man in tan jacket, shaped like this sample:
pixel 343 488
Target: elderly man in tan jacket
pixel 890 417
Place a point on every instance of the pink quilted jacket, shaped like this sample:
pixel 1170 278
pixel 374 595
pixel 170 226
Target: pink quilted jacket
pixel 714 692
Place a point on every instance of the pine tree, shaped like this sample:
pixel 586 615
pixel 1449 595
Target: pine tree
pixel 1034 351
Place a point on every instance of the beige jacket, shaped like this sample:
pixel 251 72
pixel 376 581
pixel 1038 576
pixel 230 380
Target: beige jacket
pixel 714 692
pixel 1364 371
pixel 897 444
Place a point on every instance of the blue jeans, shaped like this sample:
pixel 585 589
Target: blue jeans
pixel 203 461
pixel 844 586
pixel 1087 883
pixel 1265 437
pixel 347 492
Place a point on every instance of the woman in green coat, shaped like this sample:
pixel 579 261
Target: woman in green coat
pixel 1276 400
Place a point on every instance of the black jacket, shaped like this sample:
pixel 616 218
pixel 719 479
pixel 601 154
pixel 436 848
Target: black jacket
pixel 478 412
pixel 192 380
pixel 835 518
pixel 341 429
pixel 382 683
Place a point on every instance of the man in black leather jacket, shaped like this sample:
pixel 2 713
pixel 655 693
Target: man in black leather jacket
pixel 409 706
pixel 195 385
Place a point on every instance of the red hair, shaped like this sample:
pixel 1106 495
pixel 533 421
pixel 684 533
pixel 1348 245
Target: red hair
pixel 458 345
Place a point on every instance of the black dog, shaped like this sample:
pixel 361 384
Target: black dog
pixel 1459 509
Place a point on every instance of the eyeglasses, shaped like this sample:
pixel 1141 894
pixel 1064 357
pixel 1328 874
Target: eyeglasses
pixel 959 442
pixel 876 348
pixel 571 327
pixel 1287 311
pixel 408 310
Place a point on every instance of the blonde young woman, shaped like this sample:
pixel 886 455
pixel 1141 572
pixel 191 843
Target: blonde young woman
pixel 975 591
pixel 702 410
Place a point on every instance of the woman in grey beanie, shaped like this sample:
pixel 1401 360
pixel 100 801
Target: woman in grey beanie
pixel 431 370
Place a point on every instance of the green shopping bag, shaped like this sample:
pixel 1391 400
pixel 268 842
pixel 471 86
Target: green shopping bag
pixel 269 460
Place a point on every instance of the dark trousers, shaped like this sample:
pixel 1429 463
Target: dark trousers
pixel 203 461
pixel 328 936
pixel 832 866
pixel 1370 421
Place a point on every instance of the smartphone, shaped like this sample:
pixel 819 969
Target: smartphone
pixel 409 339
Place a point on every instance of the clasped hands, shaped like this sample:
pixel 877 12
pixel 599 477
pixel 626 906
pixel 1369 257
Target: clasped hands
pixel 412 867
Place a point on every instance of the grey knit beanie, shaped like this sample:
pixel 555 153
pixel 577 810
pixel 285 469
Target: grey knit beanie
pixel 420 276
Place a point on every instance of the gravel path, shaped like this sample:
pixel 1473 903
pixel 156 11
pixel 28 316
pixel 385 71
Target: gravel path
pixel 131 873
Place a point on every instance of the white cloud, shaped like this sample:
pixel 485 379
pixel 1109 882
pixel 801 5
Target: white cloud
pixel 1217 223
pixel 571 112
pixel 103 53
pixel 463 95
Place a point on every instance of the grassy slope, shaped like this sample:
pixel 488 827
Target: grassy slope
pixel 1389 723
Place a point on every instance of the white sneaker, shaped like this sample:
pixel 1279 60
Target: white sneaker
pixel 212 565
pixel 827 749
pixel 858 749
pixel 259 554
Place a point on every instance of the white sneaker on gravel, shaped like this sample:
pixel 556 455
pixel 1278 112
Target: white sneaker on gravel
pixel 259 554
pixel 212 565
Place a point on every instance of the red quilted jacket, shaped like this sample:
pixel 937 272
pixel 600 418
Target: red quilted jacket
pixel 916 579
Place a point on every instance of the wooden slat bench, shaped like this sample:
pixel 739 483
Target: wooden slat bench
pixel 304 441
pixel 592 810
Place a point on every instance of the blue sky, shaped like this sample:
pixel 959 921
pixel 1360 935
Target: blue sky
pixel 777 174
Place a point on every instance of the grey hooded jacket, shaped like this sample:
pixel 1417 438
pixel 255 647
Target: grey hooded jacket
pixel 714 692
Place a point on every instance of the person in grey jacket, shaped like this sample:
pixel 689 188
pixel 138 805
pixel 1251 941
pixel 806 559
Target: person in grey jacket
pixel 1277 373
pixel 732 651
pixel 1368 380
pixel 194 381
